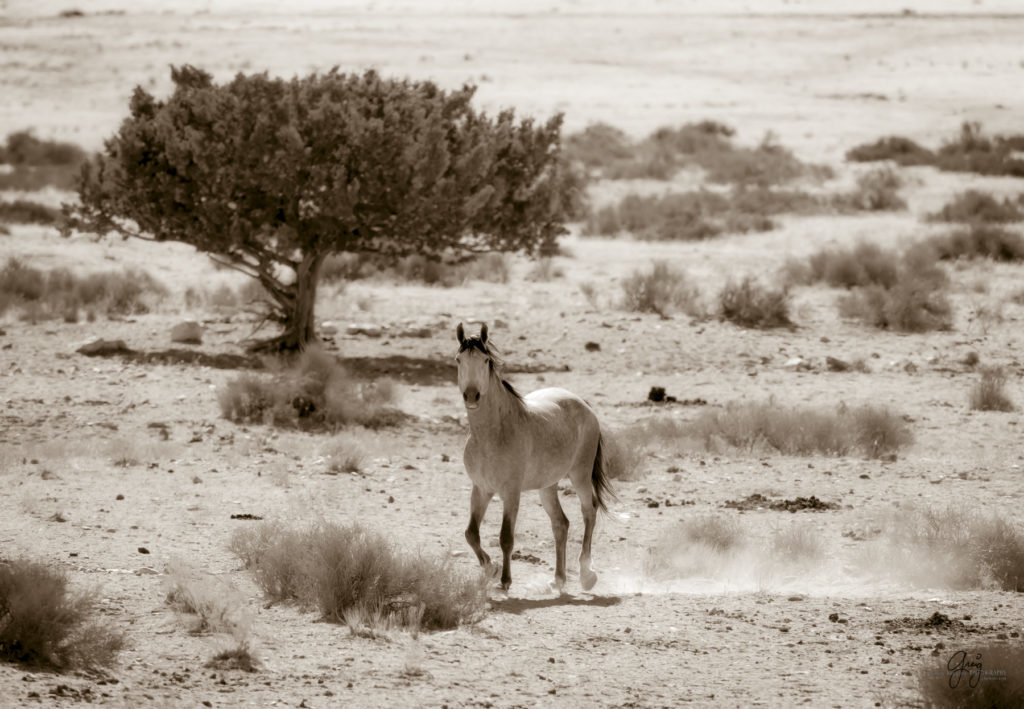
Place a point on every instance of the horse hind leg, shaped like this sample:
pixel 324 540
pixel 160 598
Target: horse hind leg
pixel 560 528
pixel 478 502
pixel 588 505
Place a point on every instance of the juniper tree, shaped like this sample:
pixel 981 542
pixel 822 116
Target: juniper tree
pixel 270 176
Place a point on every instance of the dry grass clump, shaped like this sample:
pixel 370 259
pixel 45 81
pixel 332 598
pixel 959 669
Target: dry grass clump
pixel 662 290
pixel 606 152
pixel 977 677
pixel 697 215
pixel 23 211
pixel 237 657
pixel 749 304
pixel 39 163
pixel 314 392
pixel 863 264
pixel 969 151
pixel 796 544
pixel 909 306
pixel 877 191
pixel 975 206
pixel 42 623
pixel 59 293
pixel 345 453
pixel 871 431
pixel 210 604
pixel 343 569
pixel 697 545
pixel 989 392
pixel 978 241
pixel 952 547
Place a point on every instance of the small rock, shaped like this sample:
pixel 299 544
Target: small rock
pixel 188 332
pixel 835 364
pixel 834 617
pixel 119 497
pixel 143 550
pixel 592 347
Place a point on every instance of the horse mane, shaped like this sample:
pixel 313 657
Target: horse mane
pixel 495 362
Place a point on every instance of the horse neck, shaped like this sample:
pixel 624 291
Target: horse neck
pixel 499 412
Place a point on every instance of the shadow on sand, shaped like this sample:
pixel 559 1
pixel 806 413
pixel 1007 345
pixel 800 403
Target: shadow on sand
pixel 521 605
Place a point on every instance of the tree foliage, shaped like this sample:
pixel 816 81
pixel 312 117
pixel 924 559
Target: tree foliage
pixel 271 175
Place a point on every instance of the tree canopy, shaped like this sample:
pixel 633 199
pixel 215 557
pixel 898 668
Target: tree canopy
pixel 271 175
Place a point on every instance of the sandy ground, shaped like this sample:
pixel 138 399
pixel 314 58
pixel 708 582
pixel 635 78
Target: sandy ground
pixel 746 630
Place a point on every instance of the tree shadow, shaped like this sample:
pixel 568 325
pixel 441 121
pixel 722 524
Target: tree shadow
pixel 516 606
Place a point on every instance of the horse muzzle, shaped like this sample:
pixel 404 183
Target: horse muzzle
pixel 471 398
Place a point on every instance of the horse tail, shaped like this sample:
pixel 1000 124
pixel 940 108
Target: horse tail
pixel 599 479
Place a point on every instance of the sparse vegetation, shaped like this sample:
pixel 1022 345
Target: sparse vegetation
pixel 211 604
pixel 36 163
pixel 345 267
pixel 797 543
pixel 662 290
pixel 60 293
pixel 696 545
pixel 749 304
pixel 339 568
pixel 864 264
pixel 978 241
pixel 974 206
pixel 989 392
pixel 869 430
pixel 315 391
pixel 969 151
pixel 23 211
pixel 608 153
pixel 909 306
pixel 954 547
pixel 237 657
pixel 877 191
pixel 44 623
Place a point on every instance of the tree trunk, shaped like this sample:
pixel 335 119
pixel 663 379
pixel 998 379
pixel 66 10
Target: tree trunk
pixel 299 321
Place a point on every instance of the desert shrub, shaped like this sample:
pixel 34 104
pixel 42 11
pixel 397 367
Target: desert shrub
pixel 956 547
pixel 767 164
pixel 912 305
pixel 661 290
pixel 877 191
pixel 749 304
pixel 767 426
pixel 237 657
pixel 976 206
pixel 896 148
pixel 337 568
pixel 599 146
pixel 57 292
pixel 969 151
pixel 976 677
pixel 416 268
pixel 695 546
pixel 23 211
pixel 797 543
pixel 345 453
pixel 39 163
pixel 212 605
pixel 978 241
pixel 864 264
pixel 989 392
pixel 315 391
pixel 697 215
pixel 43 623
pixel 622 455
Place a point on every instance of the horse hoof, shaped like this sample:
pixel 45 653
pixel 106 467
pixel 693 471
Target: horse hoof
pixel 588 579
pixel 505 585
pixel 558 586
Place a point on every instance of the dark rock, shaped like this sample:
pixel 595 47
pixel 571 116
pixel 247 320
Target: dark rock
pixel 103 348
pixel 592 347
pixel 836 365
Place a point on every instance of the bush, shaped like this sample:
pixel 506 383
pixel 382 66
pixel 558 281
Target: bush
pixel 978 241
pixel 913 305
pixel 39 163
pixel 989 392
pixel 60 293
pixel 871 431
pixel 338 569
pixel 42 623
pixel 877 191
pixel 969 151
pixel 23 211
pixel 344 267
pixel 315 392
pixel 864 264
pixel 956 547
pixel 897 148
pixel 976 677
pixel 661 290
pixel 975 206
pixel 215 606
pixel 696 545
pixel 749 304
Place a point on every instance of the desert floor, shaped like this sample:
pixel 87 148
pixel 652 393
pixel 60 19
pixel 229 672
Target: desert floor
pixel 745 630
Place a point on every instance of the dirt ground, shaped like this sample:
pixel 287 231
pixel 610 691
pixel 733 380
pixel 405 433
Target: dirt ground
pixel 746 631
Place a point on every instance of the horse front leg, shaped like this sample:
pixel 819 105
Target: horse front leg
pixel 508 534
pixel 478 501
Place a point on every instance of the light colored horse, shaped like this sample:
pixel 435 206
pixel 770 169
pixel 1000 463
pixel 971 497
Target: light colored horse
pixel 528 442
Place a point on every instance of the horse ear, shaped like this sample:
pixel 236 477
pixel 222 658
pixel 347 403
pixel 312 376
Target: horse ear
pixel 460 333
pixel 483 333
